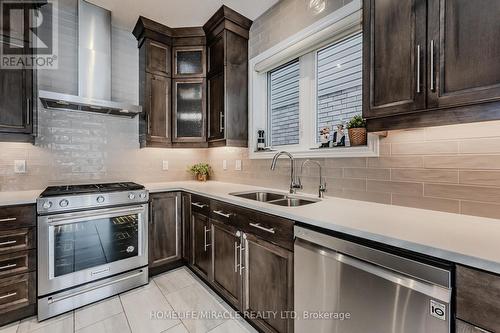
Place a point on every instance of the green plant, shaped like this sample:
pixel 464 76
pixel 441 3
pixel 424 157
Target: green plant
pixel 203 169
pixel 356 122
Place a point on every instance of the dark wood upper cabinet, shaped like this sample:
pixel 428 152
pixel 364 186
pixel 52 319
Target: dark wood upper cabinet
pixel 268 284
pixel 216 55
pixel 158 58
pixel 189 110
pixel 466 43
pixel 157 105
pixel 394 49
pixel 227 58
pixel 216 103
pixel 165 241
pixel 189 61
pixel 430 62
pixel 17 93
pixel 226 277
pixel 174 110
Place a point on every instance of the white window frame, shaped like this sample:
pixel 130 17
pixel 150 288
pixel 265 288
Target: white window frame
pixel 336 26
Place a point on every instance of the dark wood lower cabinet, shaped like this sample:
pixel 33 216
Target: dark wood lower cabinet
pixel 463 327
pixel 201 251
pixel 478 298
pixel 17 263
pixel 226 277
pixel 165 242
pixel 268 285
pixel 186 227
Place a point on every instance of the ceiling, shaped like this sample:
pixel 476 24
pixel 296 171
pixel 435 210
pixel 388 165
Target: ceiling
pixel 178 13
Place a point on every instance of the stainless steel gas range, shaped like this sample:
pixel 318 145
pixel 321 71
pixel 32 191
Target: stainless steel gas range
pixel 92 244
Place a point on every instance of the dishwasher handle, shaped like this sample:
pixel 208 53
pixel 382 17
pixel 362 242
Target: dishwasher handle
pixel 426 288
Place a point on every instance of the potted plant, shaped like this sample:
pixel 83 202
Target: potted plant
pixel 357 131
pixel 201 171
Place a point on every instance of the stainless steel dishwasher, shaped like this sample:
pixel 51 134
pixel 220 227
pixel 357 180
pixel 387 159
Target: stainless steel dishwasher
pixel 344 287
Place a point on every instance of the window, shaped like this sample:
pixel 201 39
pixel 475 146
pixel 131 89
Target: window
pixel 309 81
pixel 283 105
pixel 339 83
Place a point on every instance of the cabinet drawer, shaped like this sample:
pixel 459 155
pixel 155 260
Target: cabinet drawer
pixel 17 263
pixel 17 291
pixel 225 213
pixel 17 240
pixel 274 229
pixel 200 204
pixel 17 217
pixel 478 298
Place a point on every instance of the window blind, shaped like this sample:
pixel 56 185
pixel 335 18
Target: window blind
pixel 284 104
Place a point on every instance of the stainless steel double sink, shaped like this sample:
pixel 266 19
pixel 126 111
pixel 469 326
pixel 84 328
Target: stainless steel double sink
pixel 275 198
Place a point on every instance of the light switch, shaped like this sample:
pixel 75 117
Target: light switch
pixel 237 167
pixel 165 165
pixel 20 166
pixel 224 164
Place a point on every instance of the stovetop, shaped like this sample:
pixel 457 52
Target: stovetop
pixel 65 190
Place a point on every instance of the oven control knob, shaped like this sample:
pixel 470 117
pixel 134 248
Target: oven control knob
pixel 142 195
pixel 64 203
pixel 100 199
pixel 131 196
pixel 47 205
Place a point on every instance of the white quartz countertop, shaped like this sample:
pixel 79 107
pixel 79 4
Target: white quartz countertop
pixel 19 197
pixel 463 239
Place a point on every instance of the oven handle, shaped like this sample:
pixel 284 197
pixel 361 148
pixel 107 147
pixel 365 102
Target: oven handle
pixel 110 212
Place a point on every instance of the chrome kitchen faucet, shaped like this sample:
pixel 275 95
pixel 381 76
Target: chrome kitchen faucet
pixel 294 180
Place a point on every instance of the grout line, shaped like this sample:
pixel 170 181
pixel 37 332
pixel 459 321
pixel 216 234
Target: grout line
pixel 125 313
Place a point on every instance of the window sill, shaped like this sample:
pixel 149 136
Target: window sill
pixel 370 150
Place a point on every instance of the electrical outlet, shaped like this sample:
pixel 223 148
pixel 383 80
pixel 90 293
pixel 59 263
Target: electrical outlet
pixel 165 166
pixel 20 166
pixel 224 164
pixel 237 167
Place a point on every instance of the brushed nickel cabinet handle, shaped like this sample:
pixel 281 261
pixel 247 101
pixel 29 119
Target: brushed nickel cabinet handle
pixel 199 205
pixel 432 66
pixel 258 226
pixel 9 219
pixel 8 295
pixel 419 90
pixel 206 245
pixel 242 248
pixel 221 121
pixel 236 247
pixel 8 243
pixel 28 111
pixel 7 266
pixel 149 123
pixel 221 213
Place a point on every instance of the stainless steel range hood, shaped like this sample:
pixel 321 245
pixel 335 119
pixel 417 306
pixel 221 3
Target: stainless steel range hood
pixel 94 68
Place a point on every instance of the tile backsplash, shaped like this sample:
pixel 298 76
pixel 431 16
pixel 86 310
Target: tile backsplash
pixel 450 168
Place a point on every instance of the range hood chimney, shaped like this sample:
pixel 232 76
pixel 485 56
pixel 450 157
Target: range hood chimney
pixel 94 68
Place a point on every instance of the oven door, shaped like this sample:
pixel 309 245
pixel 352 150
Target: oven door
pixel 77 248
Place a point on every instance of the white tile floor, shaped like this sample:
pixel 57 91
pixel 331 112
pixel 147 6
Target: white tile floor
pixel 178 291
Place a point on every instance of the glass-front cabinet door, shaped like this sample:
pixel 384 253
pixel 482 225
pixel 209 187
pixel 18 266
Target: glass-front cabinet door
pixel 189 61
pixel 189 110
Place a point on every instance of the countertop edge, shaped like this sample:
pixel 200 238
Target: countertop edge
pixel 454 257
